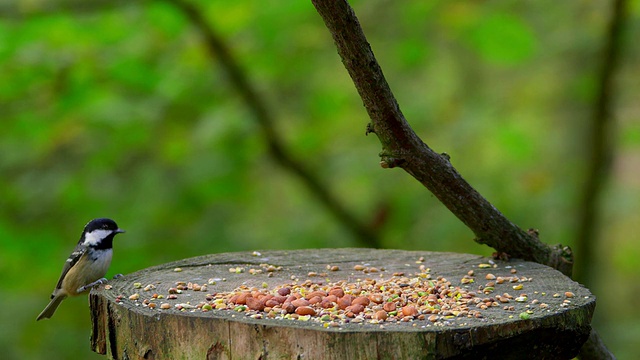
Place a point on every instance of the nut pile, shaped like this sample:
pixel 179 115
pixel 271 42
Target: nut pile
pixel 399 298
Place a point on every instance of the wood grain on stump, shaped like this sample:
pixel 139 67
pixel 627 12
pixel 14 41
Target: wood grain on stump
pixel 125 328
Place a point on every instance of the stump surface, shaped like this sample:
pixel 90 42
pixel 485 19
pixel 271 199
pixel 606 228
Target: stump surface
pixel 127 329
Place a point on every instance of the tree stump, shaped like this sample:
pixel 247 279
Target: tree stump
pixel 514 309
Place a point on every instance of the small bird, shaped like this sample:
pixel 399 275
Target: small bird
pixel 86 265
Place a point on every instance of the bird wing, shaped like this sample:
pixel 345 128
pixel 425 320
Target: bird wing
pixel 71 261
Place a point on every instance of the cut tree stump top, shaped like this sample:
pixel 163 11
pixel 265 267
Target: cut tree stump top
pixel 532 312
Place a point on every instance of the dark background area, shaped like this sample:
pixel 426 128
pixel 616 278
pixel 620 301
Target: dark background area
pixel 117 109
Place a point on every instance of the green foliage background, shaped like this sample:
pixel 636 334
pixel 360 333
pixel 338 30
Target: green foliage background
pixel 119 111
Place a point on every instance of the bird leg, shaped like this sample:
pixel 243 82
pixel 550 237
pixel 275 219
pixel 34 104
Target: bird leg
pixel 88 286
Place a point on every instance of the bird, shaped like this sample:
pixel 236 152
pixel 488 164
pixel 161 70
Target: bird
pixel 87 264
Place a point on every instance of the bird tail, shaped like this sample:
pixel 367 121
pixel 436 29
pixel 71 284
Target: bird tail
pixel 51 308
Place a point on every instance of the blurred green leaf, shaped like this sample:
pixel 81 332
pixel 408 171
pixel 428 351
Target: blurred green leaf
pixel 503 39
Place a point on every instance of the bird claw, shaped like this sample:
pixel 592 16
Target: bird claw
pixel 118 276
pixel 88 286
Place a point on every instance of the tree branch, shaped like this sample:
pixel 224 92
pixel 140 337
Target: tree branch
pixel 220 52
pixel 599 145
pixel 401 147
pixel 601 155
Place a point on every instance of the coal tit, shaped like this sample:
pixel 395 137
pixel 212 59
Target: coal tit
pixel 86 265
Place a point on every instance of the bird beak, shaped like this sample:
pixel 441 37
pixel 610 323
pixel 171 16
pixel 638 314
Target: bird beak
pixel 118 231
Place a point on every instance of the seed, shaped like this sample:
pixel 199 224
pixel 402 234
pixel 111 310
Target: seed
pixel 177 269
pixel 300 302
pixel 272 303
pixel 345 301
pixel 242 298
pixel 361 300
pixel 569 294
pixel 288 308
pixel 399 298
pixel 152 305
pixel 326 303
pixel 134 297
pixel 165 306
pixel 315 293
pixel 513 271
pixel 517 287
pixel 376 298
pixel 409 310
pixel 305 310
pixel 314 300
pixel 334 268
pixel 284 291
pixel 380 315
pixel 255 304
pixel 389 306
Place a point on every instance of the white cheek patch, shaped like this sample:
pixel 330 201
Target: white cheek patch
pixel 94 237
